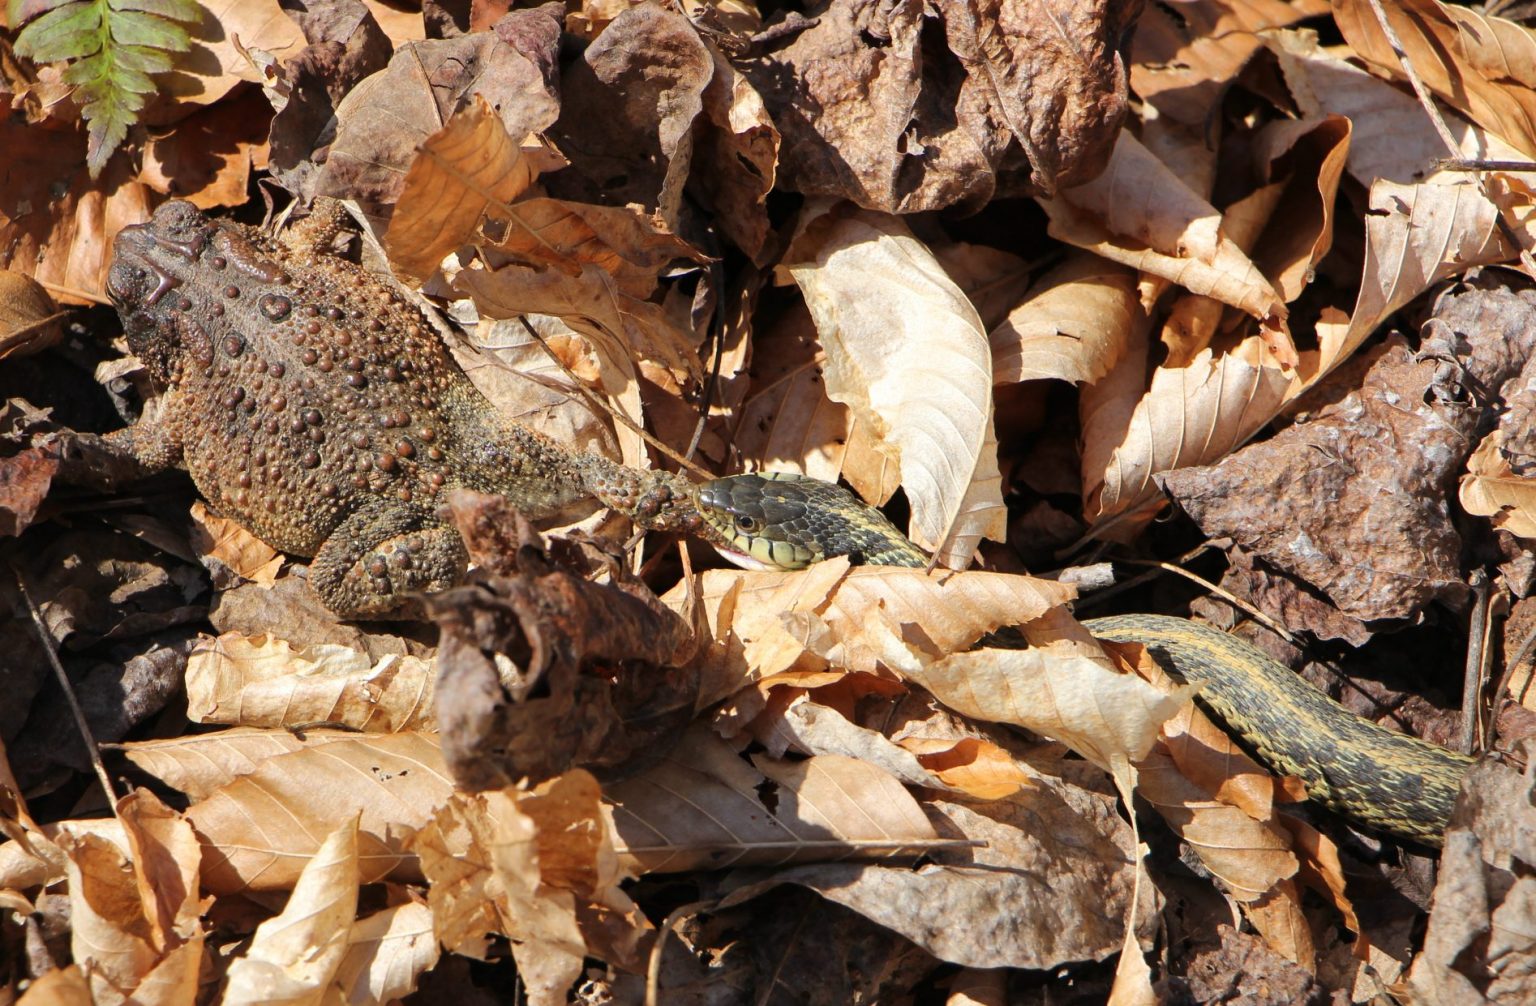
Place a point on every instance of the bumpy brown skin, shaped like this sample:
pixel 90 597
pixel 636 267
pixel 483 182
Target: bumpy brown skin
pixel 311 402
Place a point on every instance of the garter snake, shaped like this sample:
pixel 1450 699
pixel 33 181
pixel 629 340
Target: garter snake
pixel 1389 782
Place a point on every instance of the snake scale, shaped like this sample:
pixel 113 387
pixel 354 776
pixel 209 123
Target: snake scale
pixel 1389 782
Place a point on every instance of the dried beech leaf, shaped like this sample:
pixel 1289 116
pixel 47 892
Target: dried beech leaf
pixel 1190 415
pixel 1492 489
pixel 265 682
pixel 1140 214
pixel 262 829
pixel 294 956
pixel 1062 690
pixel 1183 59
pixel 705 808
pixel 198 764
pixel 60 987
pixel 228 542
pixel 29 320
pixel 107 925
pixel 459 171
pixel 868 619
pixel 386 953
pixel 484 856
pixel 1073 325
pixel 1416 236
pixel 1484 67
pixel 906 351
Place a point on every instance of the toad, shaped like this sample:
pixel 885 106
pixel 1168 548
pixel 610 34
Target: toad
pixel 313 403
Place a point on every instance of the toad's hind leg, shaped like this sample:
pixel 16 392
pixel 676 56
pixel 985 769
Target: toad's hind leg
pixel 382 554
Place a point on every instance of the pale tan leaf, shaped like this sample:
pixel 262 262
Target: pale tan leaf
pixel 907 353
pixel 1416 236
pixel 166 859
pixel 971 765
pixel 1062 687
pixel 1484 67
pixel 458 172
pixel 265 682
pixel 1140 214
pixel 1492 489
pixel 787 421
pixel 107 930
pixel 198 764
pixel 226 541
pixel 294 956
pixel 1184 58
pixel 262 829
pixel 870 619
pixel 805 726
pixel 386 954
pixel 482 854
pixel 1189 416
pixel 61 987
pixel 704 808
pixel 1073 325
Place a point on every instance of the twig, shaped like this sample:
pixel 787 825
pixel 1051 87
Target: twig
pixel 670 923
pixel 1425 98
pixel 1224 594
pixel 46 639
pixel 1473 674
pixel 721 325
pixel 602 406
pixel 1482 164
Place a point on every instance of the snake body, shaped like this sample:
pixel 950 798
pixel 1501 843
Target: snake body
pixel 1389 782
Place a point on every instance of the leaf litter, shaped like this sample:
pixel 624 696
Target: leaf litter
pixel 1055 283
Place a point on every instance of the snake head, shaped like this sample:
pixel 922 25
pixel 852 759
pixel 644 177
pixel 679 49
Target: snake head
pixel 778 520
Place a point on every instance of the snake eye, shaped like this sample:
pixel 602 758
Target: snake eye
pixel 746 523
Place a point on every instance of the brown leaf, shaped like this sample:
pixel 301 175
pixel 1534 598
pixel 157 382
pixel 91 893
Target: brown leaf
pixel 628 108
pixel 385 117
pixel 1141 214
pixel 29 319
pixel 1183 59
pixel 65 986
pixel 387 952
pixel 198 764
pixel 1073 325
pixel 219 539
pixel 1490 488
pixel 107 923
pixel 1051 883
pixel 896 129
pixel 459 172
pixel 1478 948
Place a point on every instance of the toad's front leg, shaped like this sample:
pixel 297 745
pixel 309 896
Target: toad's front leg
pixel 381 556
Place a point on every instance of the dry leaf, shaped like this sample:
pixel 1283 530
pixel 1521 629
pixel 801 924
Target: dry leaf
pixel 460 171
pixel 1492 489
pixel 906 351
pixel 198 764
pixel 294 956
pixel 386 954
pixel 225 541
pixel 1485 67
pixel 265 682
pixel 262 829
pixel 1073 325
pixel 705 808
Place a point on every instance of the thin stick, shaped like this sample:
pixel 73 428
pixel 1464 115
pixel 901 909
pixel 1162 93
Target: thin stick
pixel 670 923
pixel 602 406
pixel 722 324
pixel 69 690
pixel 1425 98
pixel 1224 594
pixel 1474 673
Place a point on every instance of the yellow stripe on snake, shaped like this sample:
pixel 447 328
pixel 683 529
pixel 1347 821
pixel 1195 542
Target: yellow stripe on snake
pixel 1386 781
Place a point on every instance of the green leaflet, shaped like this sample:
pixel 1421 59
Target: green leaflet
pixel 112 46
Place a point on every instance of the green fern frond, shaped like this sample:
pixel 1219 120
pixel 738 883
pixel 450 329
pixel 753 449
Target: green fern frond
pixel 112 47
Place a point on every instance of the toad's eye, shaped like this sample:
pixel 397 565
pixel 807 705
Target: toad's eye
pixel 746 523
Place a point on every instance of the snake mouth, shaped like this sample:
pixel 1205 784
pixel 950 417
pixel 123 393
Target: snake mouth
pixel 745 561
